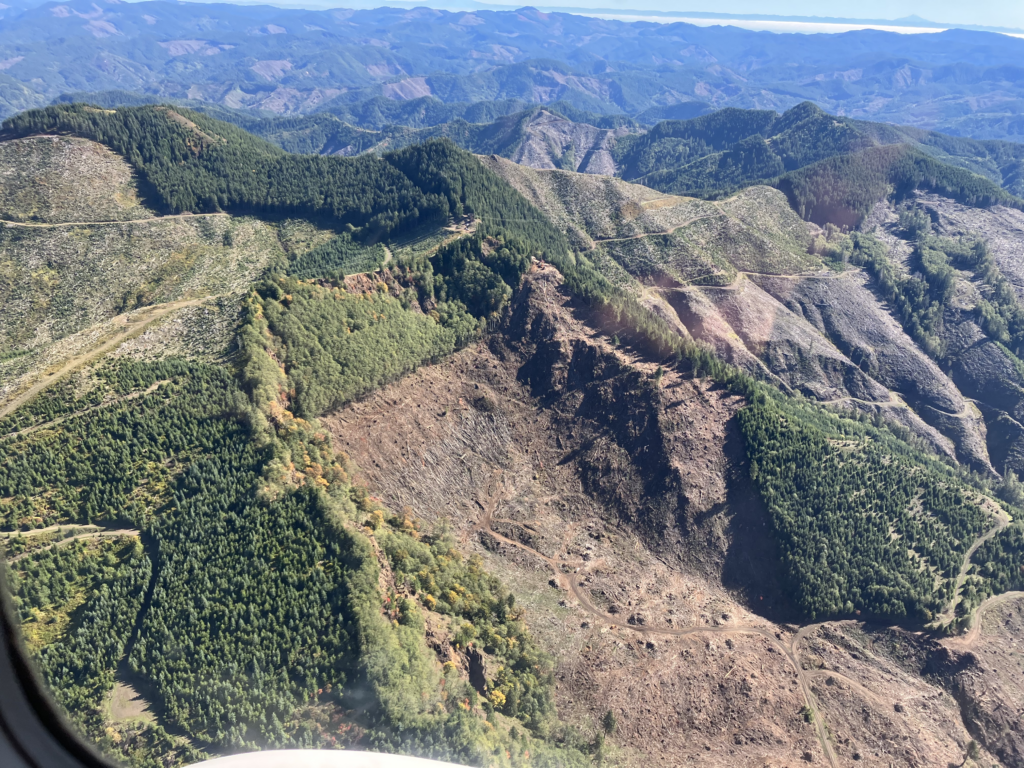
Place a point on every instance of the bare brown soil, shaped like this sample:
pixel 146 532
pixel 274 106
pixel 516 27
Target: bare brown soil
pixel 616 508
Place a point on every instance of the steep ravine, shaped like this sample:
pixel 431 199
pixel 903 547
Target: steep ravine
pixel 774 310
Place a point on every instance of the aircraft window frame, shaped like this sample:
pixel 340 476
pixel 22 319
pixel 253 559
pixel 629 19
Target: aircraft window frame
pixel 33 731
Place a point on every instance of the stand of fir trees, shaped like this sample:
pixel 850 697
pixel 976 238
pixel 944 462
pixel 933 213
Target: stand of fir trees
pixel 250 605
pixel 251 602
pixel 864 525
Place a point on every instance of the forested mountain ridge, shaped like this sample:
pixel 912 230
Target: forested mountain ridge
pixel 553 136
pixel 377 113
pixel 540 137
pixel 822 161
pixel 545 375
pixel 281 644
pixel 833 168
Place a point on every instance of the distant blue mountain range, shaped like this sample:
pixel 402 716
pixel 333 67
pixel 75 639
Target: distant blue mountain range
pixel 287 61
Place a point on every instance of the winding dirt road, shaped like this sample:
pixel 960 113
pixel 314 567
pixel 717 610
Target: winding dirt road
pixel 572 582
pixel 971 637
pixel 134 322
pixel 949 614
pixel 642 235
pixel 47 529
pixel 47 225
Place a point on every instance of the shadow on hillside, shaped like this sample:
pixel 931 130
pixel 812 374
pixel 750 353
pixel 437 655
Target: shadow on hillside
pixel 752 567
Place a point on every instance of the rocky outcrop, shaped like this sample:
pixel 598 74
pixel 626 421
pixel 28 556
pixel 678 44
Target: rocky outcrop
pixel 612 400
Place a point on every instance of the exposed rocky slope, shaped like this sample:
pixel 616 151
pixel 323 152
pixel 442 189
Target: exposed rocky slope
pixel 985 375
pixel 552 141
pixel 771 307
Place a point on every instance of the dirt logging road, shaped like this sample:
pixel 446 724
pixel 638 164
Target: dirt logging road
pixel 134 322
pixel 571 582
pixel 107 534
pixel 569 575
pixel 971 637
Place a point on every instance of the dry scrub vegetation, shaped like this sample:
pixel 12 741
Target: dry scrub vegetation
pixel 59 179
pixel 79 253
pixel 60 280
pixel 674 239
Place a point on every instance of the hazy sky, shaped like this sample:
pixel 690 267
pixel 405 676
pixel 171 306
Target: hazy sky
pixel 991 13
pixel 995 13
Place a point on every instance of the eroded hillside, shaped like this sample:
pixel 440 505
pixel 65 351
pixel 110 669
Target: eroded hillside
pixel 552 141
pixel 493 500
pixel 742 275
pixel 617 501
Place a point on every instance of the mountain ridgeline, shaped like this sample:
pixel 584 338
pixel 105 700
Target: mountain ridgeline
pixel 507 128
pixel 834 169
pixel 191 163
pixel 335 348
pixel 295 61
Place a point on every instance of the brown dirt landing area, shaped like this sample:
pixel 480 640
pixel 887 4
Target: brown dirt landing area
pixel 639 562
pixel 126 705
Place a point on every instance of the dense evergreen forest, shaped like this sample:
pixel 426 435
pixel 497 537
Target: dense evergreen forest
pixel 864 525
pixel 1000 561
pixel 79 605
pixel 341 255
pixel 337 345
pixel 190 162
pixel 262 607
pixel 842 190
pixel 834 169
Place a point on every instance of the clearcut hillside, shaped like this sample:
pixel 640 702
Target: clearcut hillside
pixel 449 456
